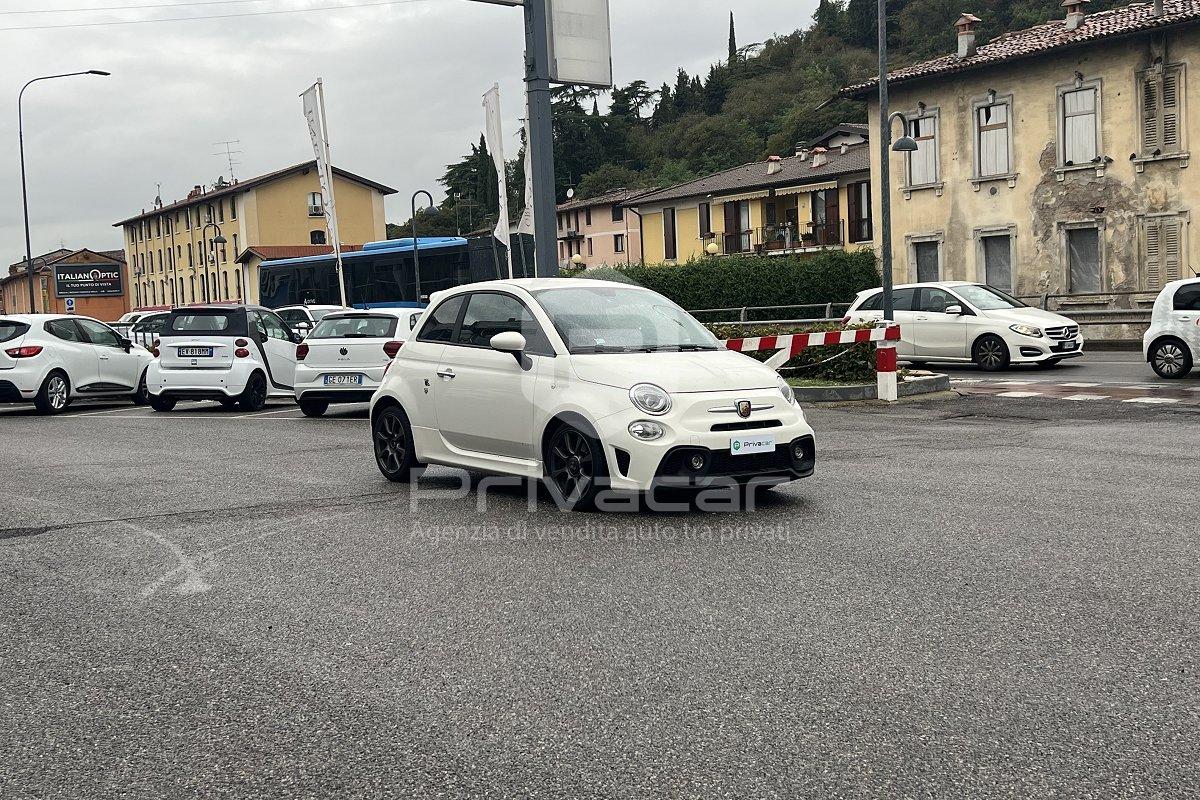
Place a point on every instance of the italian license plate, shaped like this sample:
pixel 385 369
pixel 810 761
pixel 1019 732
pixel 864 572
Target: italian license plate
pixel 195 352
pixel 1069 345
pixel 343 380
pixel 748 445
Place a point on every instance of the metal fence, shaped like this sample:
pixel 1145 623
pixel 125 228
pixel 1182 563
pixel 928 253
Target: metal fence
pixel 770 315
pixel 1094 316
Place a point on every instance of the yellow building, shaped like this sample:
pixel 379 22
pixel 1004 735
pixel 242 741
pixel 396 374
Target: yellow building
pixel 171 251
pixel 1052 160
pixel 817 199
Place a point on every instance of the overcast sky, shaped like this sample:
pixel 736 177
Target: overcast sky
pixel 403 91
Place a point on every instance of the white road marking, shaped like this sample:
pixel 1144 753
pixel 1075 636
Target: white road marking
pixel 1019 394
pixel 122 410
pixel 266 413
pixel 1087 397
pixel 1155 400
pixel 1017 383
pixel 1080 385
pixel 1146 386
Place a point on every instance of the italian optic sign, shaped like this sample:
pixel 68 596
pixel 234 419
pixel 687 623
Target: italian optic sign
pixel 86 280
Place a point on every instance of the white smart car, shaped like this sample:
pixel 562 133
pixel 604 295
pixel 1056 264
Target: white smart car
pixel 958 321
pixel 51 359
pixel 587 385
pixel 345 356
pixel 1173 340
pixel 234 354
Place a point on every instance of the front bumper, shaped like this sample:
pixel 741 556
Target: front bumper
pixel 1030 350
pixel 636 465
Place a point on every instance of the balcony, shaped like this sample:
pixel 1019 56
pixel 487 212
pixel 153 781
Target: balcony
pixel 570 235
pixel 788 237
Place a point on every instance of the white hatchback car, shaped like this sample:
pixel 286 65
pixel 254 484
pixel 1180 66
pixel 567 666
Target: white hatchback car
pixel 234 354
pixel 958 321
pixel 51 359
pixel 1173 340
pixel 588 385
pixel 304 318
pixel 344 358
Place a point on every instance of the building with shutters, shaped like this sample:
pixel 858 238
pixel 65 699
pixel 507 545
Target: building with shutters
pixel 818 198
pixel 1052 160
pixel 171 251
pixel 600 231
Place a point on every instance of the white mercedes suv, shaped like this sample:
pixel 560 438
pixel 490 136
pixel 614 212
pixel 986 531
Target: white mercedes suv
pixel 51 359
pixel 234 354
pixel 588 385
pixel 958 321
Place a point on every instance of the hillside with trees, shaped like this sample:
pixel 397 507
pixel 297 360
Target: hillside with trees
pixel 758 99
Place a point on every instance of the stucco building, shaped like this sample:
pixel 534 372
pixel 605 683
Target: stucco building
pixel 818 198
pixel 87 282
pixel 170 249
pixel 603 230
pixel 1052 160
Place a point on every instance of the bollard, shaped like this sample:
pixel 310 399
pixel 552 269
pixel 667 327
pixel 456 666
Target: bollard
pixel 885 367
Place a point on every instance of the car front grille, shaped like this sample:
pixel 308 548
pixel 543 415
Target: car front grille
pixel 1063 332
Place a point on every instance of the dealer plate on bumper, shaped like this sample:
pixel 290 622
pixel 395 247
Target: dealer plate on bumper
pixel 747 445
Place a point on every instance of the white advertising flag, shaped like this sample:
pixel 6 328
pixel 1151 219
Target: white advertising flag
pixel 526 224
pixel 314 114
pixel 494 136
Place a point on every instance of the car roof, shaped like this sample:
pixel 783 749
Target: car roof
pixel 938 284
pixel 32 318
pixel 533 285
pixel 387 311
pixel 310 306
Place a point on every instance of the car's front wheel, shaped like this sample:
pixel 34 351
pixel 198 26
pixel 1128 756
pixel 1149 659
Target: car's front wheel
pixel 394 453
pixel 990 353
pixel 254 396
pixel 54 395
pixel 142 396
pixel 575 468
pixel 1170 359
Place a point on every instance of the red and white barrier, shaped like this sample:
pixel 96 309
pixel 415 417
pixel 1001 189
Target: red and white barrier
pixel 789 345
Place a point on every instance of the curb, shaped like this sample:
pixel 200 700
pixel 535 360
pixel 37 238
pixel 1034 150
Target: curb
pixel 923 384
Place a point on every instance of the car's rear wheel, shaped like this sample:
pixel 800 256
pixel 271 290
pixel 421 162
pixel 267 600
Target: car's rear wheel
pixel 54 394
pixel 142 396
pixel 314 408
pixel 164 404
pixel 1170 359
pixel 990 353
pixel 254 396
pixel 394 453
pixel 575 468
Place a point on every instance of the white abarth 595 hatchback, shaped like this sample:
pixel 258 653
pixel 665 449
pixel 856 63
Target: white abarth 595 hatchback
pixel 588 385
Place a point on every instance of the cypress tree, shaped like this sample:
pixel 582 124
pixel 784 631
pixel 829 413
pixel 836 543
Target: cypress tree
pixel 733 53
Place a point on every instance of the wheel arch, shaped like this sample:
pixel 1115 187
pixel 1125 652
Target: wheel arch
pixel 1167 337
pixel 576 420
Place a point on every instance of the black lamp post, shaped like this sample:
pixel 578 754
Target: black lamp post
pixel 24 194
pixel 416 244
pixel 209 291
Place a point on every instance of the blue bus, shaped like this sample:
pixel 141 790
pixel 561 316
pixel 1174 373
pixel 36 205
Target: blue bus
pixel 383 274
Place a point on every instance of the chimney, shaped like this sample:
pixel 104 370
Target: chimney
pixel 966 34
pixel 1158 8
pixel 820 156
pixel 801 151
pixel 1075 12
pixel 774 165
pixel 844 148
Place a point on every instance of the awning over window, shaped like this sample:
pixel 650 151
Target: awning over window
pixel 807 188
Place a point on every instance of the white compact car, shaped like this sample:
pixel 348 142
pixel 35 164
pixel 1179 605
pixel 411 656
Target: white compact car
pixel 51 359
pixel 344 358
pixel 1173 340
pixel 303 319
pixel 234 354
pixel 957 321
pixel 587 385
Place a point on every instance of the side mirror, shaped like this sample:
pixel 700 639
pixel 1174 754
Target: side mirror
pixel 509 342
pixel 297 337
pixel 955 310
pixel 126 343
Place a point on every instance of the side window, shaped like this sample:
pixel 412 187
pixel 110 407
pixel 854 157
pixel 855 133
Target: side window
pixel 440 325
pixel 490 313
pixel 872 303
pixel 293 315
pixel 902 299
pixel 936 300
pixel 99 334
pixel 64 329
pixel 259 325
pixel 276 329
pixel 1187 298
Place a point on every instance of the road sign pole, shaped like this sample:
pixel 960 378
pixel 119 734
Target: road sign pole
pixel 541 136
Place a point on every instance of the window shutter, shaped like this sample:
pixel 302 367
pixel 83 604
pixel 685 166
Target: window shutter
pixel 1150 127
pixel 1152 254
pixel 1172 251
pixel 852 209
pixel 1169 92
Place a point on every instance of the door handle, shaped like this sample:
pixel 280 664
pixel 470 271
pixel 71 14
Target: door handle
pixel 446 374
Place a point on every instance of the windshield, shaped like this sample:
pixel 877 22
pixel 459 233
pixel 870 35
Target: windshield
pixel 985 298
pixel 599 319
pixel 319 313
pixel 199 323
pixel 357 327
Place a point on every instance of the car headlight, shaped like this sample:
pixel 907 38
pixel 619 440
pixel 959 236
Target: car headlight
pixel 650 398
pixel 1026 330
pixel 645 430
pixel 785 389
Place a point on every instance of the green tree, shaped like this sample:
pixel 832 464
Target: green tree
pixel 733 48
pixel 608 177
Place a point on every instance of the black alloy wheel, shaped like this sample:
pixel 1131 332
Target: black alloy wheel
pixel 575 467
pixel 254 396
pixel 392 439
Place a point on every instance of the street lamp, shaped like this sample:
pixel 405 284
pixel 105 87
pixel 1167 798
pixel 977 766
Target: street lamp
pixel 416 246
pixel 24 194
pixel 218 239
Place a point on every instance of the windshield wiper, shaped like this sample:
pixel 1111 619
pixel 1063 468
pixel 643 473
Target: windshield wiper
pixel 600 348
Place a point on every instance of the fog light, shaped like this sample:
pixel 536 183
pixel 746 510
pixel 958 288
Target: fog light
pixel 697 462
pixel 798 451
pixel 645 430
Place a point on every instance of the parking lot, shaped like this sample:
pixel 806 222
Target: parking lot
pixel 972 597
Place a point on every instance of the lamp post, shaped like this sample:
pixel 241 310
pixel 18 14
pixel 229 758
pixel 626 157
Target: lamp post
pixel 24 194
pixel 416 244
pixel 905 144
pixel 218 239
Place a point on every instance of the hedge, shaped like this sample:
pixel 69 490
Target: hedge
pixel 832 276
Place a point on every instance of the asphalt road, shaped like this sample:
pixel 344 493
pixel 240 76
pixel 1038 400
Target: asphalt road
pixel 971 598
pixel 1106 367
